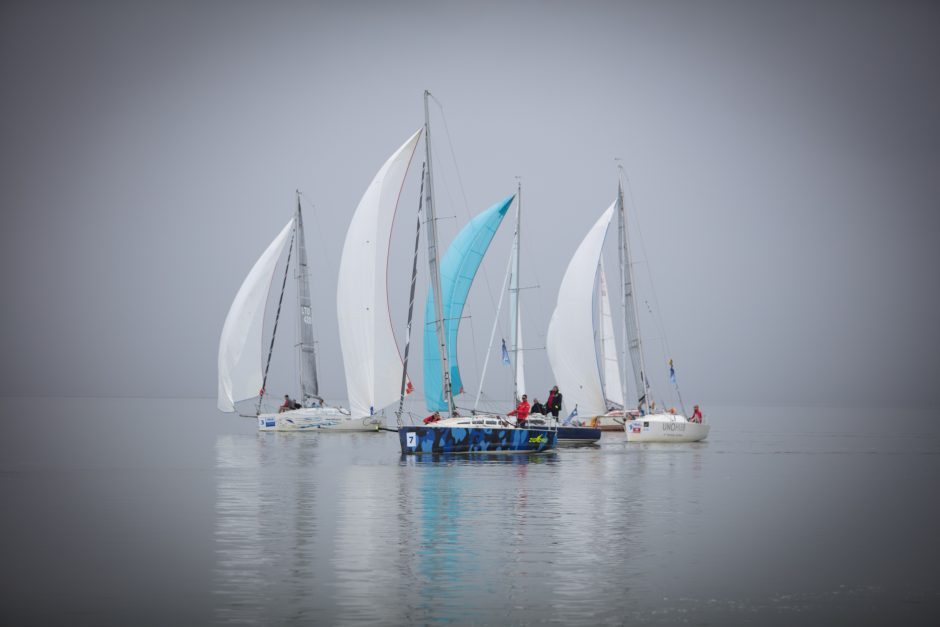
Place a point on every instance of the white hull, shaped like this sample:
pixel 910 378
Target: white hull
pixel 317 419
pixel 665 428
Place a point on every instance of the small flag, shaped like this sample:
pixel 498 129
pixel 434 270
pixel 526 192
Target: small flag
pixel 571 416
pixel 672 373
pixel 409 388
pixel 505 354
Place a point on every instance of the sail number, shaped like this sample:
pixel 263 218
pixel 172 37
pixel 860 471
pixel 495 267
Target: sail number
pixel 411 439
pixel 305 312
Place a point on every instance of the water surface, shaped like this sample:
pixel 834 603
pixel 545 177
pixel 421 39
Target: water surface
pixel 137 511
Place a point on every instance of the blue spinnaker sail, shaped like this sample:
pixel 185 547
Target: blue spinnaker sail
pixel 458 267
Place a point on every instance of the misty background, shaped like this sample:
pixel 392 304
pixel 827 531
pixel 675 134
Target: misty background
pixel 783 161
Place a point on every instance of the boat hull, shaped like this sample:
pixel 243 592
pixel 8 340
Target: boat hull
pixel 610 423
pixel 641 430
pixel 437 440
pixel 575 436
pixel 317 419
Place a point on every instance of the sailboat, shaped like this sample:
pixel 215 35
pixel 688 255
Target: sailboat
pixel 571 346
pixel 568 434
pixel 370 354
pixel 451 279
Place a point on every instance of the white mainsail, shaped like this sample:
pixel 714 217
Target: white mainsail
pixel 613 390
pixel 371 358
pixel 570 339
pixel 240 374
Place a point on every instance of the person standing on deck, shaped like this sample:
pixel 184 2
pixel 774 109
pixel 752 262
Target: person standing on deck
pixel 696 415
pixel 553 404
pixel 521 412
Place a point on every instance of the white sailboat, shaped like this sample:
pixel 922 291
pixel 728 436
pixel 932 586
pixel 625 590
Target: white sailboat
pixel 370 353
pixel 571 347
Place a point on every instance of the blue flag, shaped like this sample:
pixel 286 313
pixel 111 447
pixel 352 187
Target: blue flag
pixel 672 373
pixel 571 416
pixel 505 354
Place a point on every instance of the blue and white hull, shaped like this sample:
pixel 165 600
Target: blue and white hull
pixel 577 436
pixel 437 440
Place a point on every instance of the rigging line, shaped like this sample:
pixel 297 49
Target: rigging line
pixel 657 316
pixel 486 280
pixel 411 302
pixel 326 259
pixel 453 156
pixel 326 256
pixel 280 301
pixel 489 348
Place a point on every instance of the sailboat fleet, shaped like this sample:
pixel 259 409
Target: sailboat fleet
pixel 375 369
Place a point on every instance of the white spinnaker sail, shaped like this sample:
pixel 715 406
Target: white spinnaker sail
pixel 570 340
pixel 240 346
pixel 371 358
pixel 613 389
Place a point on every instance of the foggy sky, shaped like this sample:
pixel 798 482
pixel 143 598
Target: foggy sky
pixel 783 158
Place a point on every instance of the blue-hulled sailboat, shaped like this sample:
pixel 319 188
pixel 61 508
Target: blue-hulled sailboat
pixel 451 279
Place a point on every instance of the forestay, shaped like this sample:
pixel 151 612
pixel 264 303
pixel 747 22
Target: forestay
pixel 240 347
pixel 570 339
pixel 371 358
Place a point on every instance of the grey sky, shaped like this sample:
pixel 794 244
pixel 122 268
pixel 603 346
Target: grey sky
pixel 784 158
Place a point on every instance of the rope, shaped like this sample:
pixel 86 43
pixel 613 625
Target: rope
pixel 486 279
pixel 280 300
pixel 411 303
pixel 656 310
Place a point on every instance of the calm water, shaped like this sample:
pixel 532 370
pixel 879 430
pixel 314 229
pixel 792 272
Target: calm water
pixel 163 512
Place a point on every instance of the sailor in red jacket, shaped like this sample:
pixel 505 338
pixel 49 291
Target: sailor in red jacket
pixel 521 412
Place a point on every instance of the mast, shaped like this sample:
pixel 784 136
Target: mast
pixel 307 349
pixel 433 263
pixel 603 349
pixel 411 306
pixel 514 338
pixel 631 323
pixel 611 382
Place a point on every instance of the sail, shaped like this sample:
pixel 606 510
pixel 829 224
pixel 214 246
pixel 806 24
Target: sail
pixel 570 339
pixel 371 359
pixel 309 387
pixel 613 390
pixel 458 268
pixel 240 346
